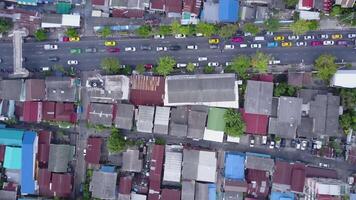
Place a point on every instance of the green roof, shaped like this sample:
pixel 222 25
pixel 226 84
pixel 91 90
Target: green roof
pixel 11 137
pixel 63 8
pixel 216 120
pixel 12 158
pixel 27 2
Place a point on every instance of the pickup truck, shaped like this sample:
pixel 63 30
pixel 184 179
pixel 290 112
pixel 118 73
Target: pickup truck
pixel 50 47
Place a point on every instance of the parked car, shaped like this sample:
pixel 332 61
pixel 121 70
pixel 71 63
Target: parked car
pixel 50 47
pixel 146 48
pixel 258 46
pixel 158 36
pixel 214 46
pixel 278 38
pixel 293 37
pixel 264 140
pixel 196 64
pixel 308 37
pixel 328 43
pixel 214 41
pixel 286 44
pixel 90 50
pixel 274 62
pixel 192 47
pixel 304 145
pixel 161 49
pixel 228 64
pixel 252 141
pixel 342 42
pixel 113 49
pixel 272 144
pixel 180 36
pixel 109 43
pixel 53 58
pixel 202 58
pixel 283 142
pixel 325 165
pixel 199 34
pixel 351 35
pixel 336 36
pixel 75 50
pixel 229 46
pixel 148 66
pixel 243 45
pixel 130 48
pixel 272 44
pixel 65 39
pixel 72 62
pixel 74 39
pixel 237 39
pixel 316 43
pixel 213 64
pixel 301 44
pixel 181 65
pixel 174 47
pixel 323 36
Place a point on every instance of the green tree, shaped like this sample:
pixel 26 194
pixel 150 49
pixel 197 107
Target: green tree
pixel 41 35
pixel 144 31
pixel 116 143
pixel 140 68
pixel 105 32
pixel 5 25
pixel 184 30
pixel 165 65
pixel 283 89
pixel 300 27
pixel 313 25
pixel 251 28
pixel 240 65
pixel 291 3
pixel 259 62
pixel 176 27
pixel 348 121
pixel 209 70
pixel 165 30
pixel 110 65
pixel 234 125
pixel 160 141
pixel 325 64
pixel 72 32
pixel 206 29
pixel 272 24
pixel 227 31
pixel 190 67
pixel 348 98
pixel 336 11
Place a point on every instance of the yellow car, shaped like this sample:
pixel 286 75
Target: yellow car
pixel 336 36
pixel 286 44
pixel 279 38
pixel 110 43
pixel 74 39
pixel 214 41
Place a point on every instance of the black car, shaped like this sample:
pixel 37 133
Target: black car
pixel 146 48
pixel 174 47
pixel 283 142
pixel 53 59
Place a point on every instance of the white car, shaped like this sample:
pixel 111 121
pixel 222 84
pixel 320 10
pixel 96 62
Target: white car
pixel 308 37
pixel 252 142
pixel 202 59
pixel 213 64
pixel 301 44
pixel 158 36
pixel 50 47
pixel 258 46
pixel 191 47
pixel 324 36
pixel 72 62
pixel 304 145
pixel 180 65
pixel 271 145
pixel 180 36
pixel 274 62
pixel 196 64
pixel 44 69
pixel 324 165
pixel 351 35
pixel 228 64
pixel 199 34
pixel 264 140
pixel 243 45
pixel 293 37
pixel 130 48
pixel 328 43
pixel 161 48
pixel 229 46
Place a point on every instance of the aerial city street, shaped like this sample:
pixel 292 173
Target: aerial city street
pixel 178 99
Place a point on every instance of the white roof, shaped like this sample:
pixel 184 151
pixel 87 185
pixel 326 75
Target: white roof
pixel 344 78
pixel 309 15
pixel 135 196
pixel 233 139
pixel 207 166
pixel 145 119
pixel 162 115
pixel 96 13
pixel 172 167
pixel 215 136
pixel 328 189
pixel 50 25
pixel 71 20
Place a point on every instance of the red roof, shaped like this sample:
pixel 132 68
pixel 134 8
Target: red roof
pixel 282 173
pixel 127 13
pixel 65 112
pixel 48 111
pixel 61 184
pixel 157 4
pixel 192 6
pixel 298 177
pixel 258 183
pixel 32 111
pixel 290 174
pixel 44 180
pixel 35 89
pixel 255 124
pixel 93 150
pixel 320 172
pixel 43 153
pixel 175 6
pixel 352 155
pixel 44 137
pixel 170 194
pixel 146 90
pixel 308 3
pixel 299 79
pixel 153 196
pixel 263 77
pixel 98 2
pixel 2 152
pixel 156 168
pixel 125 185
pixel 327 197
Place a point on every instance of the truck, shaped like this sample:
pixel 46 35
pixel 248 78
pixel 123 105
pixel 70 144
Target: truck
pixel 50 47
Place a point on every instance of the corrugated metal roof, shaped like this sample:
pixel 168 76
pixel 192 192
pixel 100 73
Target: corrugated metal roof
pixel 11 137
pixel 172 167
pixel 216 120
pixel 28 158
pixel 13 157
pixel 234 166
pixel 145 119
pixel 161 120
pixel 228 10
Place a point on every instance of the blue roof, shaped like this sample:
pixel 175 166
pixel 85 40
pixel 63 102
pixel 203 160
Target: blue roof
pixel 228 10
pixel 12 158
pixel 107 168
pixel 352 196
pixel 234 166
pixel 11 137
pixel 282 196
pixel 258 155
pixel 28 157
pixel 212 191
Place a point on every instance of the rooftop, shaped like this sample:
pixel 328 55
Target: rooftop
pixel 161 121
pixel 93 150
pixel 172 167
pixel 257 162
pixel 179 121
pixel 103 185
pixel 131 4
pixel 171 194
pixel 28 163
pixel 62 184
pixel 59 157
pixel 125 185
pixel 255 124
pixel 228 10
pixel 146 90
pixel 100 113
pixel 234 166
pixel 188 190
pixel 258 97
pixel 196 123
pixel 13 157
pixel 344 78
pixel 34 89
pixel 124 116
pixel 145 119
pixel 156 166
pixel 11 89
pixel 60 89
pixel 131 161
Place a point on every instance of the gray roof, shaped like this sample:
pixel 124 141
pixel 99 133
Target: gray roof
pixel 130 4
pixel 201 191
pixel 200 88
pixel 131 161
pixel 190 164
pixel 179 121
pixel 305 129
pixel 309 94
pixel 8 195
pixel 229 195
pixel 60 89
pixel 101 113
pixel 52 18
pixel 11 89
pixel 282 129
pixel 103 185
pixel 211 12
pixel 248 13
pixel 161 120
pixel 261 13
pixel 258 97
pixel 124 116
pixel 274 106
pixel 59 157
pixel 196 124
pixel 259 163
pixel 145 119
pixel 188 190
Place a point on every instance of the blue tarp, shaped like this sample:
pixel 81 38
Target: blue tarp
pixel 235 166
pixel 228 10
pixel 212 191
pixel 28 157
pixel 282 196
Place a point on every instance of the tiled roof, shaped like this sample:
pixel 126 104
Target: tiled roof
pixel 146 90
pixel 255 123
pixel 93 150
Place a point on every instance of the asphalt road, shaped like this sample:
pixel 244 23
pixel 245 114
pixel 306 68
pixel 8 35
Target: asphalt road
pixel 37 57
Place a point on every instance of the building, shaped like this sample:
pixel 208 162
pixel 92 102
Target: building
pixel 124 116
pixel 60 89
pixel 234 166
pixel 258 97
pixel 93 150
pixel 205 191
pixel 32 112
pixel 59 157
pixel 345 3
pixel 305 4
pixel 219 90
pixel 344 78
pixel 188 190
pixel 144 120
pixel 131 161
pixel 260 162
pixel 103 185
pixel 61 185
pixel 13 158
pixel 179 121
pixel 172 165
pixel 11 137
pixel 226 11
pixel 315 187
pixel 125 187
pixel 234 190
pixel 147 90
pixel 309 15
pixel 282 195
pixel 255 123
pixel 29 153
pixel 60 21
pixel 215 128
pixel 299 79
pixel 161 122
pixel 101 114
pixel 191 11
pixel 15 93
pixel 289 177
pixel 44 140
pixel 34 89
pixel 171 194
pixel 173 8
pixel 58 111
pixel 156 166
pixel 197 116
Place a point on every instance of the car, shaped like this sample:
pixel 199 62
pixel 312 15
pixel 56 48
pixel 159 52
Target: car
pixel 75 51
pixel 191 47
pixel 325 165
pixel 50 47
pixel 84 152
pixel 113 49
pixel 293 37
pixel 342 42
pixel 72 62
pixel 301 44
pixel 297 145
pixel 202 58
pixel 286 44
pixel 0 60
pixel 304 145
pixel 293 143
pixel 272 44
pixel 274 62
pixel 328 43
pixel 45 69
pixel 256 46
pixel 308 37
pixel 351 35
pixel 213 64
pixel 336 36
pixel 247 34
pixel 272 144
pixel 214 46
pixel 199 34
pixel 53 58
pixel 65 39
pixel 148 66
pixel 316 43
pixel 264 140
pixel 145 48
pixel 278 144
pixel 174 47
pixel 130 48
pixel 228 64
pixel 278 38
pixel 180 36
pixel 109 43
pixel 214 41
pixel 90 50
pixel 252 141
pixel 196 64
pixel 237 39
pixel 243 45
pixel 270 33
pixel 74 39
pixel 158 36
pixel 229 46
pixel 323 36
pixel 161 49
pixel 283 143
pixel 181 65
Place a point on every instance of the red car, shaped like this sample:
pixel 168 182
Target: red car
pixel 113 49
pixel 65 39
pixel 148 66
pixel 237 39
pixel 316 43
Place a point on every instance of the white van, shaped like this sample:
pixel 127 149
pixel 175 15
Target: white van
pixel 259 38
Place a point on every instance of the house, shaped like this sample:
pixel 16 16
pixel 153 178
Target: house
pixel 60 89
pixel 29 153
pixel 101 114
pixel 248 13
pixel 205 191
pixel 124 116
pixel 299 79
pixel 161 121
pixel 172 165
pixel 344 78
pixel 188 190
pixel 289 177
pixel 256 124
pixel 58 111
pixel 288 118
pixel 197 116
pixel 60 21
pixel 32 112
pixel 260 162
pixel 234 190
pixel 44 140
pixel 258 183
pixel 8 195
pixel 210 12
pixel 191 11
pixel 258 97
pixel 199 165
pixel 130 4
pixel 34 89
pixel 11 137
pixel 156 166
pixel 135 196
pixel 12 89
pixel 44 182
pixel 228 11
pixel 315 187
pixel 234 166
pixel 103 185
pixel 13 158
pixel 59 157
pixel 173 8
pixel 131 161
pixel 157 5
pixel 179 121
pixel 219 90
pixel 305 4
pixel 144 120
pixel 282 195
pixel 345 3
pixel 309 15
pixel 61 185
pixel 215 128
pixel 125 187
pixel 93 150
pixel 171 194
pixel 147 90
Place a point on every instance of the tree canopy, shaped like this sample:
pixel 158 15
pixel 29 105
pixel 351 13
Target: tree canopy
pixel 325 64
pixel 209 70
pixel 165 30
pixel 348 98
pixel 283 89
pixel 176 27
pixel 116 143
pixel 348 121
pixel 165 65
pixel 105 32
pixel 41 35
pixel 144 31
pixel 300 27
pixel 291 3
pixel 110 65
pixel 251 28
pixel 72 32
pixel 234 125
pixel 259 62
pixel 272 24
pixel 190 67
pixel 5 25
pixel 227 31
pixel 240 65
pixel 206 29
pixel 140 68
